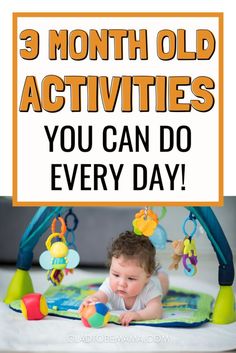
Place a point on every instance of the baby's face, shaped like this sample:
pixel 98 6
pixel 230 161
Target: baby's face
pixel 127 277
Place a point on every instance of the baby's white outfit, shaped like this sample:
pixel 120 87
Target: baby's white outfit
pixel 151 290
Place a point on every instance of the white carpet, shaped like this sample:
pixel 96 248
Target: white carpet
pixel 58 334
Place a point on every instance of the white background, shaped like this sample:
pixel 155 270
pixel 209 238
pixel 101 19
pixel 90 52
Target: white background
pixel 34 158
pixel 6 9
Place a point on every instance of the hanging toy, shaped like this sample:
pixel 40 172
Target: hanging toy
pixel 189 257
pixel 58 256
pixel 159 236
pixel 70 234
pixel 145 222
pixel 70 229
pixel 190 254
pixel 178 246
pixel 185 249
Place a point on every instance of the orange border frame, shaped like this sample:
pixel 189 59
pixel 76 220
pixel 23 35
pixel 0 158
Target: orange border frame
pixel 220 17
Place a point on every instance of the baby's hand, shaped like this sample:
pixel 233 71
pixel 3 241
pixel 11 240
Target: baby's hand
pixel 86 302
pixel 128 316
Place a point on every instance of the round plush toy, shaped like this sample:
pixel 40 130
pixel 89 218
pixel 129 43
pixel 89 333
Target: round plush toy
pixel 95 315
pixel 34 306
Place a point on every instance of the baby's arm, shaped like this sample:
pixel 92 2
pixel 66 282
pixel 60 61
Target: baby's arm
pixel 153 310
pixel 99 296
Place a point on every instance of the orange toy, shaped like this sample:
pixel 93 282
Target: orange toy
pixel 145 222
pixel 144 226
pixel 149 213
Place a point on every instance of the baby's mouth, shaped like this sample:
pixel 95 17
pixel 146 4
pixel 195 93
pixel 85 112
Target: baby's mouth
pixel 121 292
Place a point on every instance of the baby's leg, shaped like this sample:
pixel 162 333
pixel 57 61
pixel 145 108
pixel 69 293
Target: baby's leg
pixel 163 277
pixel 164 280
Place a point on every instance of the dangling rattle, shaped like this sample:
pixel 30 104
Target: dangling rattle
pixel 145 222
pixel 58 257
pixel 189 257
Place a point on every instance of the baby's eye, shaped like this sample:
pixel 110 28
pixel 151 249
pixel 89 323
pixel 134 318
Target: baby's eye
pixel 132 279
pixel 115 274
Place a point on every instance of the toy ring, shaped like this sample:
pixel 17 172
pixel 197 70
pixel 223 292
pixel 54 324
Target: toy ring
pixel 63 226
pixel 48 242
pixel 193 220
pixel 74 219
pixel 191 271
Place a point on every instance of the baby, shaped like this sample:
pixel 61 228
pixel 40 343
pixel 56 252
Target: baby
pixel 129 287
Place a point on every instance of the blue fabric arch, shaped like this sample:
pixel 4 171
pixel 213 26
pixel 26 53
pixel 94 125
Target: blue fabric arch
pixel 209 222
pixel 206 217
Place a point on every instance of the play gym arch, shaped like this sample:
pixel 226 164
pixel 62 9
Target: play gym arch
pixel 223 311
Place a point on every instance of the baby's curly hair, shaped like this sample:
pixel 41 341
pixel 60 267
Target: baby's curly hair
pixel 133 246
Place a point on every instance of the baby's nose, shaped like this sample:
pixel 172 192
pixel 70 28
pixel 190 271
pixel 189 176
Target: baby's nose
pixel 122 282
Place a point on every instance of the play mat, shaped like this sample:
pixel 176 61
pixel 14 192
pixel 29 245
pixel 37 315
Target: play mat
pixel 182 308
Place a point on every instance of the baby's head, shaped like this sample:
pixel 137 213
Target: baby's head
pixel 130 246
